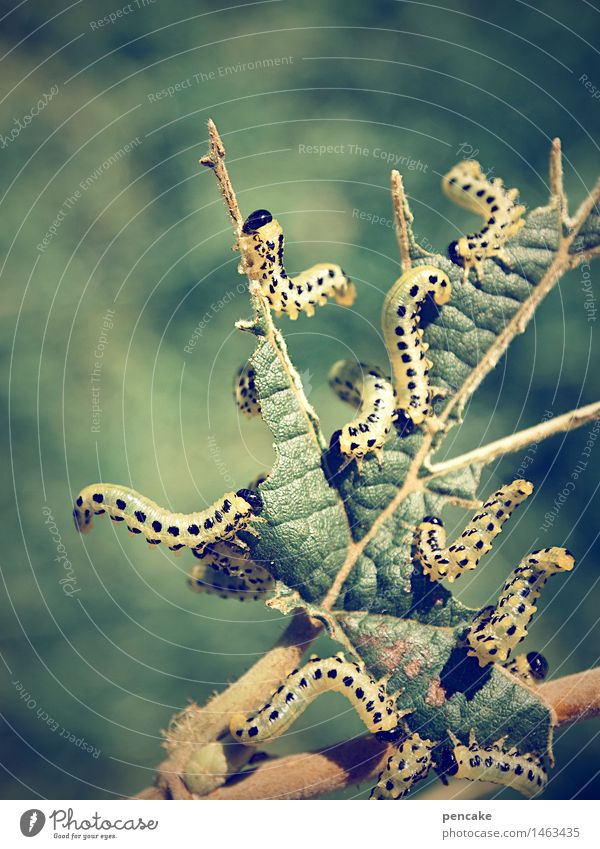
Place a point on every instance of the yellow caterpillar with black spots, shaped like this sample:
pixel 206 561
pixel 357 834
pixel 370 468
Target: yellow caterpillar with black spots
pixel 234 512
pixel 523 772
pixel 261 246
pixel 468 186
pixel 403 339
pixel 368 697
pixel 440 561
pixel 496 631
pixel 409 764
pixel 366 388
pixel 229 572
pixel 246 393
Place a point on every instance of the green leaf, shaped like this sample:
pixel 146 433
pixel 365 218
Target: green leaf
pixel 445 689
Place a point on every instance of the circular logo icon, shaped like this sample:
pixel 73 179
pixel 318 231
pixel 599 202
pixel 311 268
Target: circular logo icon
pixel 32 822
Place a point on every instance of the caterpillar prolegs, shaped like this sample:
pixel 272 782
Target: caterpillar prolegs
pixel 439 561
pixel 367 388
pixel 368 697
pixel 468 186
pixel 403 340
pixel 524 773
pixel 497 631
pixel 224 520
pixel 261 246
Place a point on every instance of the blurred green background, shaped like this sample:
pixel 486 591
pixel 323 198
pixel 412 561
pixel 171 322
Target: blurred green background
pixel 107 172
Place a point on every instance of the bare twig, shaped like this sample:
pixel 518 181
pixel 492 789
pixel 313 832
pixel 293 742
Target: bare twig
pixel 487 453
pixel 557 189
pixel 399 203
pixel 216 161
pixel 574 698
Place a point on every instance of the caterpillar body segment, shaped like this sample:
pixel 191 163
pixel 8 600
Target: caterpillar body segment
pixel 468 186
pixel 496 631
pixel 262 245
pixel 440 561
pixel 223 521
pixel 408 765
pixel 496 763
pixel 366 388
pixel 229 572
pixel 404 339
pixel 376 709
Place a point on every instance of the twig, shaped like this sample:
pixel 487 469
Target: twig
pixel 574 698
pixel 216 161
pixel 399 203
pixel 196 726
pixel 557 189
pixel 508 444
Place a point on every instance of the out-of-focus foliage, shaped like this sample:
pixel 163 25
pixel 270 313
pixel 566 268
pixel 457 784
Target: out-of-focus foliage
pixel 111 164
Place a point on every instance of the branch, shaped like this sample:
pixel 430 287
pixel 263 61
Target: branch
pixel 216 161
pixel 508 444
pixel 574 698
pixel 399 203
pixel 557 189
pixel 197 726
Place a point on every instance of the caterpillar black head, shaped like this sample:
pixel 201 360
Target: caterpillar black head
pixel 82 518
pixel 433 520
pixel 454 254
pixel 403 423
pixel 256 220
pixel 446 762
pixel 253 498
pixel 538 665
pixel 396 735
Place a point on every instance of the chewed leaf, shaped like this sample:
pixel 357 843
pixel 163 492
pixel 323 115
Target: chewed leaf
pixel 305 537
pixel 445 688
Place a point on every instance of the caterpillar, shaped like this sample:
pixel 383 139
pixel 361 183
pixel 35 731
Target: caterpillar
pixel 245 393
pixel 439 561
pixel 495 632
pixel 261 246
pixel 530 668
pixel 524 773
pixel 302 686
pixel 228 572
pixel 468 186
pixel 367 388
pixel 409 764
pixel 234 512
pixel 403 340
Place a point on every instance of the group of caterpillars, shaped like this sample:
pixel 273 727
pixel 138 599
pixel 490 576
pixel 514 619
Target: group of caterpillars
pixel 490 639
pixel 405 401
pixel 225 565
